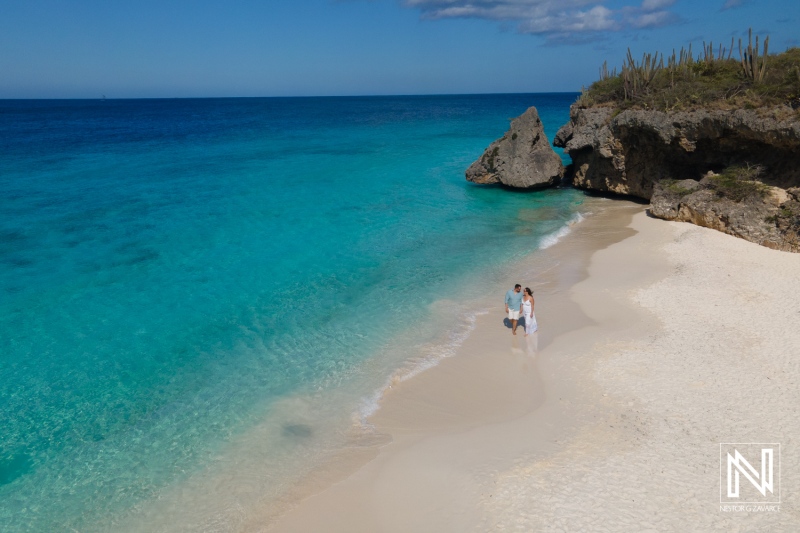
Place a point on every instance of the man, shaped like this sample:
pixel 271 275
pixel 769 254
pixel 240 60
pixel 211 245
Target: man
pixel 514 306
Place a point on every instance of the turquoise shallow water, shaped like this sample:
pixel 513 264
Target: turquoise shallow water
pixel 170 269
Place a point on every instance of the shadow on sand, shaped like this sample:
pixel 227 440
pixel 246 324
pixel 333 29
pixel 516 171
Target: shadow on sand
pixel 520 323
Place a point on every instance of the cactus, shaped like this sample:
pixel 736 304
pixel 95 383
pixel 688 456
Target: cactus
pixel 604 72
pixel 682 79
pixel 708 52
pixel 636 77
pixel 753 67
pixel 680 64
pixel 585 99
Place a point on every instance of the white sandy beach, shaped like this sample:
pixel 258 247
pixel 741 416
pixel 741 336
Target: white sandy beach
pixel 651 352
pixel 716 361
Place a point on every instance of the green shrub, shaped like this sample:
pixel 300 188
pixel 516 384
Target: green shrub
pixel 784 213
pixel 739 183
pixel 673 187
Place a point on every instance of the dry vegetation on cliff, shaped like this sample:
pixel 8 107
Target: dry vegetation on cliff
pixel 714 80
pixel 739 182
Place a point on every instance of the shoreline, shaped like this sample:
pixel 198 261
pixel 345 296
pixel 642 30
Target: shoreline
pixel 245 487
pixel 433 404
pixel 506 438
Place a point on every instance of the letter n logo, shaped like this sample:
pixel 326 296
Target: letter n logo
pixel 743 479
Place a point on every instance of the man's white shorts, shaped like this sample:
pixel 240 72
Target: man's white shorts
pixel 513 315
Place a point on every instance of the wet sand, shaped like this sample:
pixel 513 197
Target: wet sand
pixel 657 342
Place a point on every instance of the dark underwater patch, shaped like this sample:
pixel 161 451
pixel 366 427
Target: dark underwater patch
pixel 14 466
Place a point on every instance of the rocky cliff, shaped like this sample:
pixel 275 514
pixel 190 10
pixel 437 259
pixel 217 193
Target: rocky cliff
pixel 522 158
pixel 644 153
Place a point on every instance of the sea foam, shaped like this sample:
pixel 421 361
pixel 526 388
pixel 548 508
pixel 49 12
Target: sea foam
pixel 549 240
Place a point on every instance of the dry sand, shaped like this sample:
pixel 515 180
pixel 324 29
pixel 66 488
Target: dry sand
pixel 658 341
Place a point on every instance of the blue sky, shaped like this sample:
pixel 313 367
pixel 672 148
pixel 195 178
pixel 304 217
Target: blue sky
pixel 182 48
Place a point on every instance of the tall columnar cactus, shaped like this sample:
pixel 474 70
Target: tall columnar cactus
pixel 754 67
pixel 605 73
pixel 708 52
pixel 636 77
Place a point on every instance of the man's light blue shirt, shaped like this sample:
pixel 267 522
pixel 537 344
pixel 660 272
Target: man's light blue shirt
pixel 513 300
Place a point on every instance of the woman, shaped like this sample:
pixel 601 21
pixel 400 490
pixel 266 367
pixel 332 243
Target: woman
pixel 527 312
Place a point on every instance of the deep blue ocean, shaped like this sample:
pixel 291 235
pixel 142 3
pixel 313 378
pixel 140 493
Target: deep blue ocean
pixel 194 286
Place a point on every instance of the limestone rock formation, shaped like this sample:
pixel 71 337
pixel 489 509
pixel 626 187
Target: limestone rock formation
pixel 522 158
pixel 627 152
pixel 671 159
pixel 770 216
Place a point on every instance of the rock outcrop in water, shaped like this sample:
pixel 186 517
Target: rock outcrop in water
pixel 522 158
pixel 655 155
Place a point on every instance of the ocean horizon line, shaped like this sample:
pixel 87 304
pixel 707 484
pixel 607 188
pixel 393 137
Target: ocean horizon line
pixel 309 97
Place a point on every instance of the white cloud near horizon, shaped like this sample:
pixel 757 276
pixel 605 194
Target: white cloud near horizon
pixel 652 20
pixel 560 21
pixel 653 5
pixel 596 19
pixel 730 4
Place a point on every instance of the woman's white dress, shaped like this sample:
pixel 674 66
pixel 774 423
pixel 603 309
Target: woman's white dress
pixel 530 317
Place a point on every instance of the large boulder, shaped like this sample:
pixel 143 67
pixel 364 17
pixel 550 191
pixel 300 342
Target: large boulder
pixel 522 158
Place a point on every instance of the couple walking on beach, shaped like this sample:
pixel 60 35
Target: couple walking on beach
pixel 520 304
